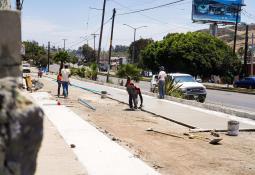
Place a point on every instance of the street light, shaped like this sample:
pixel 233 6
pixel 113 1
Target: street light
pixel 135 29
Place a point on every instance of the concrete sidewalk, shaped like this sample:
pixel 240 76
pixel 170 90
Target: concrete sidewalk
pixel 96 152
pixel 55 156
pixel 188 115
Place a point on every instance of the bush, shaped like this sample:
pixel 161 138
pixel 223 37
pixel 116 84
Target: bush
pixel 173 90
pixel 129 70
pixel 78 72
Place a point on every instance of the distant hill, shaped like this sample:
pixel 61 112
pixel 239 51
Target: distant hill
pixel 227 34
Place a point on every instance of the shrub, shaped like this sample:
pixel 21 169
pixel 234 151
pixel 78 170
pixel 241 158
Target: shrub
pixel 129 70
pixel 173 90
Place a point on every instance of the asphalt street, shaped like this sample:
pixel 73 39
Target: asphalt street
pixel 230 99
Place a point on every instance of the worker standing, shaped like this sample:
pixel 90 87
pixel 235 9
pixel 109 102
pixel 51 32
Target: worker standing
pixel 65 80
pixel 59 81
pixel 161 81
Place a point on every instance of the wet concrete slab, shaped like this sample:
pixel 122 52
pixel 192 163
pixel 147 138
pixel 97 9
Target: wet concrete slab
pixel 194 117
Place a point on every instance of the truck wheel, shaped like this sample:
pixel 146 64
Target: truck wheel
pixel 201 99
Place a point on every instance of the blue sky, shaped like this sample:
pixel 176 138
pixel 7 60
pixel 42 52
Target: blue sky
pixel 53 20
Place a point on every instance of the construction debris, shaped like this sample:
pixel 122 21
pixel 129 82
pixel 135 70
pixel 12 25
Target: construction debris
pixel 213 141
pixel 163 133
pixel 103 94
pixel 72 146
pixel 86 103
pixel 215 134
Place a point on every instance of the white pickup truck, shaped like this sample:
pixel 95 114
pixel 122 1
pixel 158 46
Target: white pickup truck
pixel 188 85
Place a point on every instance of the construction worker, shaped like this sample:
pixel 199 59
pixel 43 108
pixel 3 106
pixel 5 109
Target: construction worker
pixel 59 81
pixel 139 93
pixel 65 80
pixel 131 93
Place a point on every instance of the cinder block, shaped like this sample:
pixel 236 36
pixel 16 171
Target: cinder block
pixel 10 44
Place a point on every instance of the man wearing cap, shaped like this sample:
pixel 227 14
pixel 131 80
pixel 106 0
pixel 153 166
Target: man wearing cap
pixel 161 81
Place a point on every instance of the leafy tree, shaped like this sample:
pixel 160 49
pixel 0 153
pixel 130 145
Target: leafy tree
pixel 120 51
pixel 74 59
pixel 139 45
pixel 37 54
pixel 120 48
pixel 195 53
pixel 62 57
pixel 88 53
pixel 240 52
pixel 129 70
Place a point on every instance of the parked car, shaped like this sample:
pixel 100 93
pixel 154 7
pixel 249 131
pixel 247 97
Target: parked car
pixel 189 86
pixel 26 68
pixel 248 82
pixel 154 84
pixel 103 67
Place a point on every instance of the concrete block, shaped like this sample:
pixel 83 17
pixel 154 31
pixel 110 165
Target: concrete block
pixel 10 44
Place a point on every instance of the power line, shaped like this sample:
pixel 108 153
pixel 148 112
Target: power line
pixel 249 15
pixel 87 37
pixel 152 8
pixel 149 17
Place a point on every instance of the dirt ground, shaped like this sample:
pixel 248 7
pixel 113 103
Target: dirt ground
pixel 168 154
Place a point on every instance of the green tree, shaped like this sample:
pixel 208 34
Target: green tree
pixel 195 53
pixel 129 70
pixel 62 57
pixel 139 45
pixel 88 53
pixel 74 59
pixel 35 53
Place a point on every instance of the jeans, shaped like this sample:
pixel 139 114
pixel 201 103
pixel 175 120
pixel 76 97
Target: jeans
pixel 161 89
pixel 132 100
pixel 59 87
pixel 141 99
pixel 65 88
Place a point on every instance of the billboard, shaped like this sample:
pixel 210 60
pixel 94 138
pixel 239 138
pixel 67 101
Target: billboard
pixel 220 11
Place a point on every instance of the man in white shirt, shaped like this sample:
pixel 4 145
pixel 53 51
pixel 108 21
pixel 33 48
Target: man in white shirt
pixel 65 79
pixel 162 78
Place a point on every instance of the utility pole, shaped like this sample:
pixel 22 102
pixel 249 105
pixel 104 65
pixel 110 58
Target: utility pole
pixel 133 55
pixel 133 50
pixel 101 33
pixel 64 44
pixel 252 53
pixel 236 25
pixel 48 56
pixel 94 36
pixel 110 49
pixel 246 50
pixel 18 5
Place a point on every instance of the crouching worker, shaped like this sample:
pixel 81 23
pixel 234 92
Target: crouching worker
pixel 131 93
pixel 139 93
pixel 134 92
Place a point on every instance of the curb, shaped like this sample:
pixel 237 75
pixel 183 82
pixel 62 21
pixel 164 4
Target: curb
pixel 241 91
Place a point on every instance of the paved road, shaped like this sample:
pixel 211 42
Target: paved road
pixel 231 99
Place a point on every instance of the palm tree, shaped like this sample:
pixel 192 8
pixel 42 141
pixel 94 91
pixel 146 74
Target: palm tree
pixel 62 57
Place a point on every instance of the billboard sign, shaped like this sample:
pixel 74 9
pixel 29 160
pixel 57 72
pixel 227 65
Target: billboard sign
pixel 219 11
